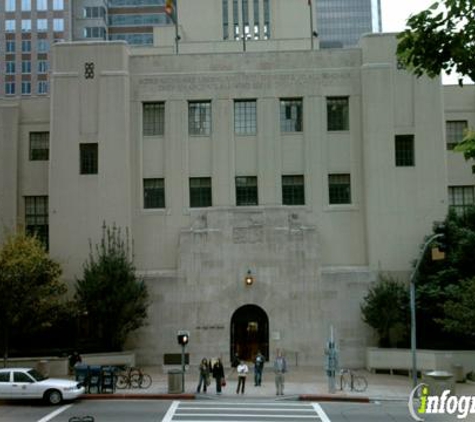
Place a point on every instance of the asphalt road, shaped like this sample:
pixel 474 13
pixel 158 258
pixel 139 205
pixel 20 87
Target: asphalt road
pixel 238 410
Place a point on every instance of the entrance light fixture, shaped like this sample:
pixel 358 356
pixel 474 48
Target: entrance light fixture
pixel 249 279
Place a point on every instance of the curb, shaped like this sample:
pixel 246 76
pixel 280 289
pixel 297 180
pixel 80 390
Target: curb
pixel 328 398
pixel 125 396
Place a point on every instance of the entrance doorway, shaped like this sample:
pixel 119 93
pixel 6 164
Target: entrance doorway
pixel 249 333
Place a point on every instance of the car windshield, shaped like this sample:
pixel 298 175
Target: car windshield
pixel 37 375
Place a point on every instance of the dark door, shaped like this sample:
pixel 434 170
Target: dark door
pixel 249 333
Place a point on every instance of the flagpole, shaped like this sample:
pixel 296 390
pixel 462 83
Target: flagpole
pixel 177 36
pixel 311 24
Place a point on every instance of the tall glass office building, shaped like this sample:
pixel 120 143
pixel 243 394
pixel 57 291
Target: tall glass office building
pixel 340 23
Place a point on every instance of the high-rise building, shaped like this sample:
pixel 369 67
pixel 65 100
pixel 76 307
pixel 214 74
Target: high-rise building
pixel 340 23
pixel 27 30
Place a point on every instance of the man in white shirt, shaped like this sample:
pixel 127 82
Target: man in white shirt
pixel 242 371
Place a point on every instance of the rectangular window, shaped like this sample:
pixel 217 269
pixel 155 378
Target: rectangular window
pixel 89 158
pixel 339 188
pixel 291 115
pixel 246 190
pixel 10 46
pixel 58 25
pixel 26 66
pixel 245 117
pixel 42 66
pixel 338 116
pixel 293 190
pixel 461 198
pixel 25 5
pixel 154 193
pixel 200 191
pixel 199 118
pixel 95 32
pixel 225 20
pixel 25 87
pixel 26 25
pixel 9 25
pixel 10 5
pixel 42 25
pixel 58 5
pixel 455 130
pixel 39 146
pixel 41 5
pixel 153 119
pixel 42 87
pixel 26 46
pixel 9 88
pixel 36 218
pixel 10 67
pixel 43 46
pixel 404 147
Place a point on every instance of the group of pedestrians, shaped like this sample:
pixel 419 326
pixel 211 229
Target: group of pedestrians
pixel 208 369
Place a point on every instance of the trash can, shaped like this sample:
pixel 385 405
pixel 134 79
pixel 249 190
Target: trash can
pixel 94 379
pixel 43 367
pixel 107 379
pixel 457 370
pixel 439 381
pixel 175 384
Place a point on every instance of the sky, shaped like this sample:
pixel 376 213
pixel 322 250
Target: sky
pixel 396 12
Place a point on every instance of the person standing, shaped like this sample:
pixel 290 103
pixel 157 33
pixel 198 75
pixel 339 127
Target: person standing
pixel 280 368
pixel 218 374
pixel 242 371
pixel 258 368
pixel 204 375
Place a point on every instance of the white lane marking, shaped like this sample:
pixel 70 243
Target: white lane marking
pixel 246 415
pixel 321 414
pixel 55 413
pixel 171 411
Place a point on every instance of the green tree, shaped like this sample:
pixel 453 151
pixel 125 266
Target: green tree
pixel 30 288
pixel 386 309
pixel 439 282
pixel 111 294
pixel 440 38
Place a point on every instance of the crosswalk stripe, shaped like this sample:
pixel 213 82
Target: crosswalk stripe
pixel 321 414
pixel 262 415
pixel 171 411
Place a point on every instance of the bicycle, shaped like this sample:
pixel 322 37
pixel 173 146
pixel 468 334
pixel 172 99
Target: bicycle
pixel 353 381
pixel 133 378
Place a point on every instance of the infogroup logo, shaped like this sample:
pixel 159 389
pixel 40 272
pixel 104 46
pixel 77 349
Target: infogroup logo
pixel 444 403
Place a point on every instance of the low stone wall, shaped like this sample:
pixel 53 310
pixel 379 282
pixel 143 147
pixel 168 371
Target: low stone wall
pixel 427 360
pixel 109 359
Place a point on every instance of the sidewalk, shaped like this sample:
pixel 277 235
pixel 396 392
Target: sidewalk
pixel 301 383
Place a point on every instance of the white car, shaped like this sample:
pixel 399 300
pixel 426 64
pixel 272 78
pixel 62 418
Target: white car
pixel 28 383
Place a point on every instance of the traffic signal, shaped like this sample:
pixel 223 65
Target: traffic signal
pixel 183 337
pixel 441 230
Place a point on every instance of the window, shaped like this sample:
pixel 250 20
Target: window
pixel 36 217
pixel 10 67
pixel 200 191
pixel 339 188
pixel 246 190
pixel 199 118
pixel 5 377
pixel 153 119
pixel 58 25
pixel 89 157
pixel 404 146
pixel 39 146
pixel 42 66
pixel 455 130
pixel 43 46
pixel 10 5
pixel 461 198
pixel 42 25
pixel 94 12
pixel 42 87
pixel 291 115
pixel 245 117
pixel 41 5
pixel 10 46
pixel 95 32
pixel 154 193
pixel 26 66
pixel 25 5
pixel 21 377
pixel 293 190
pixel 9 25
pixel 26 46
pixel 9 88
pixel 26 25
pixel 25 87
pixel 58 5
pixel 338 113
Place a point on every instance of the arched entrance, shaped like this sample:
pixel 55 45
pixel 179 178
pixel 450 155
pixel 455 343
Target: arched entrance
pixel 249 332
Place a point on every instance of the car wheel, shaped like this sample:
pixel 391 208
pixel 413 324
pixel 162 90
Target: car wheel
pixel 53 397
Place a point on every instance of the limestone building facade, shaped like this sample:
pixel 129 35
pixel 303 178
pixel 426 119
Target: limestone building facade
pixel 306 172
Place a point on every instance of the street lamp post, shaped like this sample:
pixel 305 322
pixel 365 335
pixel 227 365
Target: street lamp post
pixel 413 306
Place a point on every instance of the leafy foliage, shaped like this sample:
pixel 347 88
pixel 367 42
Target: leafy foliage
pixel 30 286
pixel 439 283
pixel 386 309
pixel 467 146
pixel 110 293
pixel 440 38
